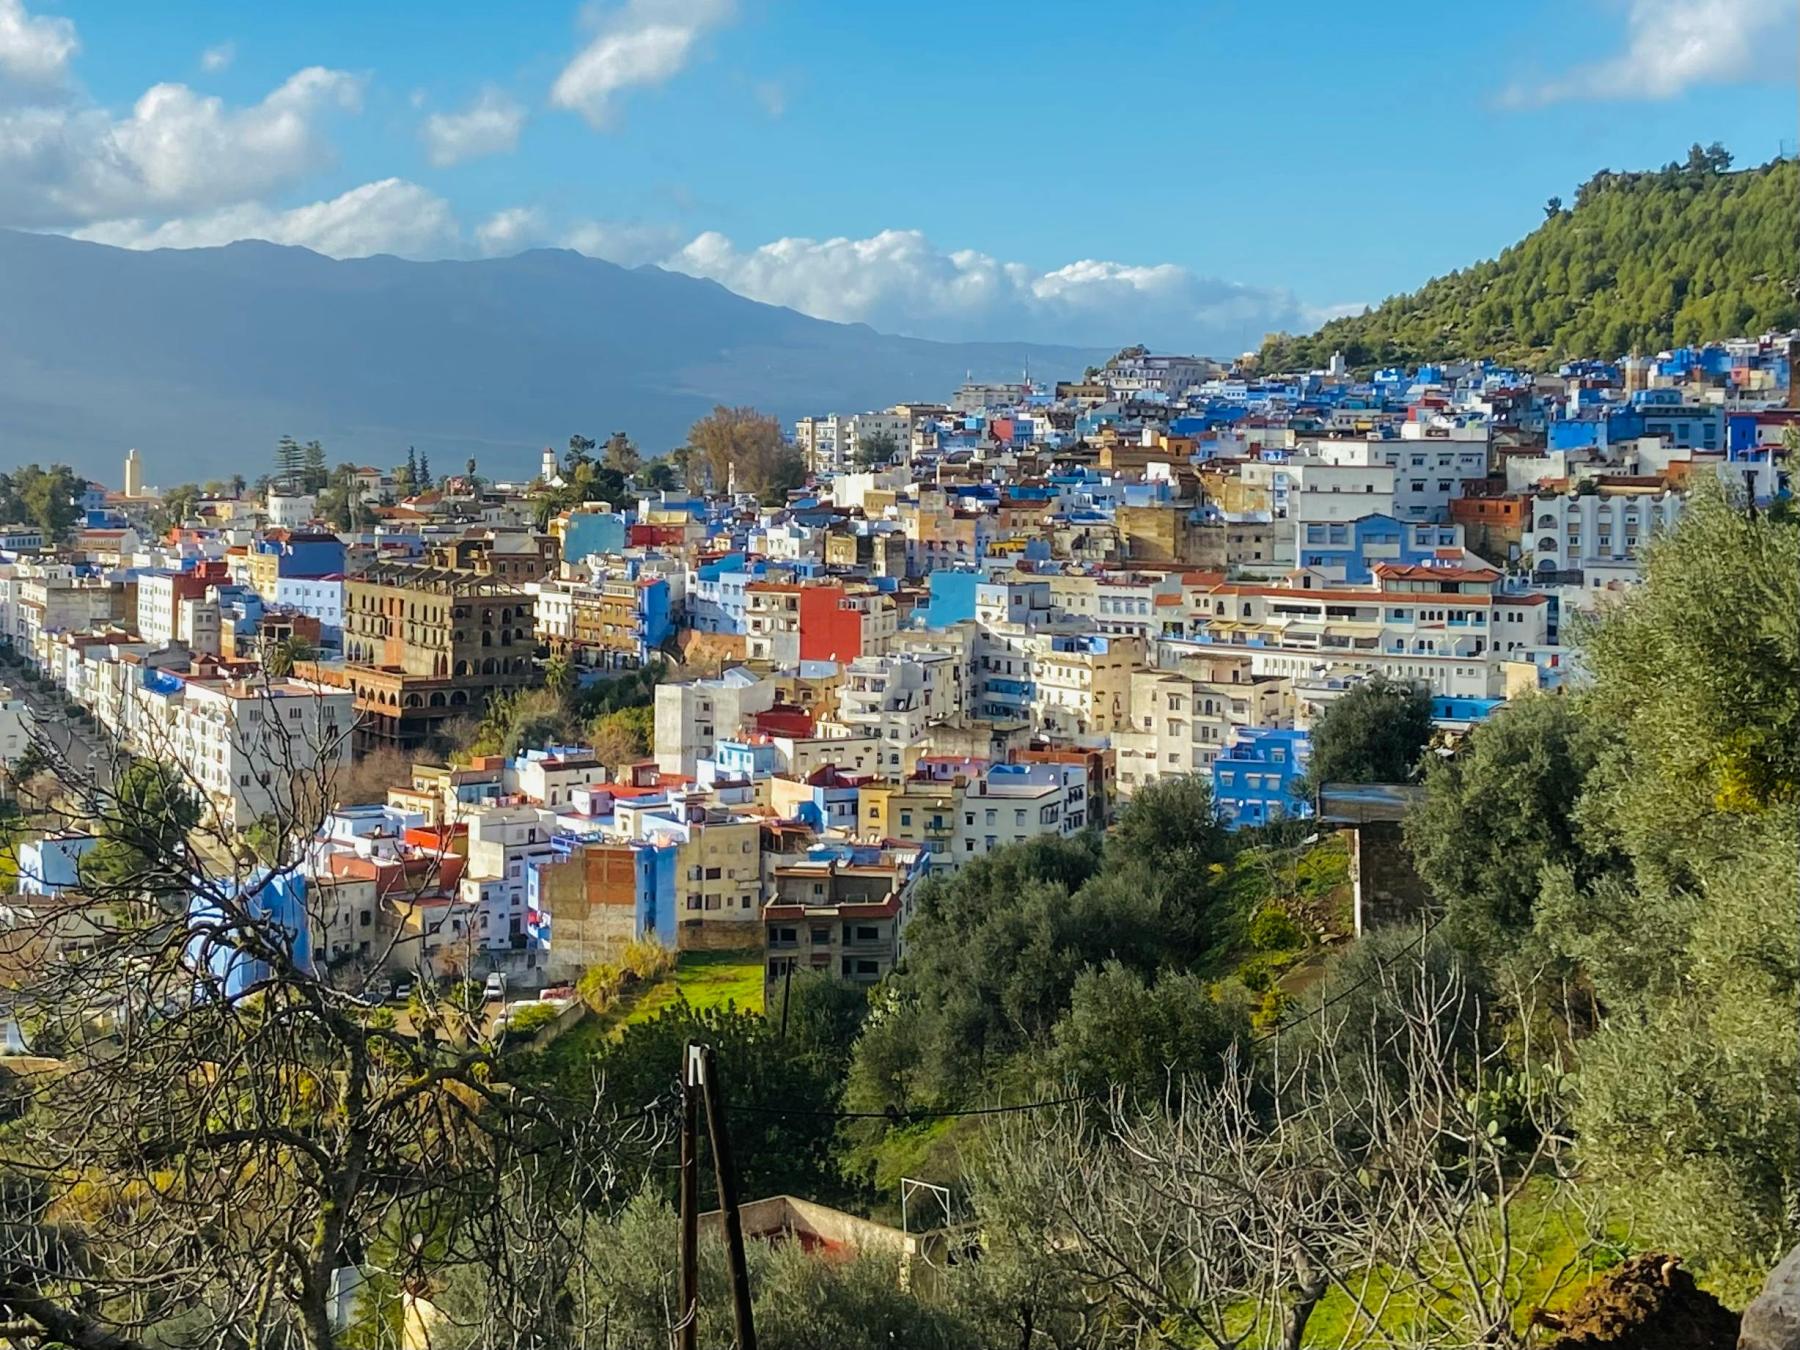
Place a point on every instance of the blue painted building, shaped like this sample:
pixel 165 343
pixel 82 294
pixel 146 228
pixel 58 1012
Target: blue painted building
pixel 1689 426
pixel 1253 781
pixel 223 948
pixel 1346 549
pixel 52 865
pixel 952 597
pixel 587 533
pixel 1459 714
pixel 302 554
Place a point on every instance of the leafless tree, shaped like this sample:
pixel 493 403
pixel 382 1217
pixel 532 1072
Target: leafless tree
pixel 1399 1171
pixel 224 1136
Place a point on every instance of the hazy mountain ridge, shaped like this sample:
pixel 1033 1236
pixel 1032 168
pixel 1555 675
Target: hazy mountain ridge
pixel 203 357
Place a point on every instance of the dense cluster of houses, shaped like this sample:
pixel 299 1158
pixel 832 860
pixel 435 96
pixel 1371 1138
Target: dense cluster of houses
pixel 980 621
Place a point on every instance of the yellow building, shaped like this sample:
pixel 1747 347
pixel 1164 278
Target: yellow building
pixel 913 811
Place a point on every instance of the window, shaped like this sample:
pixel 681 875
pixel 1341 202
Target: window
pixel 821 936
pixel 868 933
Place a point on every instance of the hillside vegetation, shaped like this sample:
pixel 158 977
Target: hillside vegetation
pixel 1642 262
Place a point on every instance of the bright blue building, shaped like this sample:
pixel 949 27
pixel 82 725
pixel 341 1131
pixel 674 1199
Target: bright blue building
pixel 223 948
pixel 952 597
pixel 590 532
pixel 1253 781
pixel 1346 549
pixel 301 554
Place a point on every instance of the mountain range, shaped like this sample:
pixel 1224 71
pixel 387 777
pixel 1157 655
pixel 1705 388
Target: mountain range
pixel 203 358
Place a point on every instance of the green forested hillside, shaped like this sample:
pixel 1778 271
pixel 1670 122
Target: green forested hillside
pixel 1643 261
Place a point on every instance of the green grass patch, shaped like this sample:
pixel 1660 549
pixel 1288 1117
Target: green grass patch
pixel 705 980
pixel 1552 1261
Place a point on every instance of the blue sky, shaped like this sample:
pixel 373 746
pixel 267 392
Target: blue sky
pixel 1185 174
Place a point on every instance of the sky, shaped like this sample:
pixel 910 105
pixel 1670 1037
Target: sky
pixel 1191 175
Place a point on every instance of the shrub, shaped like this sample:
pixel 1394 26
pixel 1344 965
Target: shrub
pixel 1273 931
pixel 523 1023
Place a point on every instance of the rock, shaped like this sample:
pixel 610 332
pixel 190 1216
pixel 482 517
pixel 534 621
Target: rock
pixel 1772 1321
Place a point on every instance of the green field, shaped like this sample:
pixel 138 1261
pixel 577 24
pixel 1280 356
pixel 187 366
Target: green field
pixel 705 980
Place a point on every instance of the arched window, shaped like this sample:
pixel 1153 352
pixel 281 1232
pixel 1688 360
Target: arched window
pixel 1547 544
pixel 458 698
pixel 462 668
pixel 1546 522
pixel 437 698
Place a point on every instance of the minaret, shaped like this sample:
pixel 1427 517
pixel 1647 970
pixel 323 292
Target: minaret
pixel 547 470
pixel 134 474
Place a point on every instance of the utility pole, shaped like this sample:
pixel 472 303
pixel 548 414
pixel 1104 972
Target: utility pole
pixel 687 1333
pixel 699 1085
pixel 726 1171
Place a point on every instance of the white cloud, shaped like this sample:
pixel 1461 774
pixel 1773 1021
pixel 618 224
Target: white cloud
pixel 1672 46
pixel 488 126
pixel 628 244
pixel 640 45
pixel 34 49
pixel 217 58
pixel 177 153
pixel 389 216
pixel 510 231
pixel 899 282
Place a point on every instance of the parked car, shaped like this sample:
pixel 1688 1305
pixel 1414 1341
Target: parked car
pixel 403 988
pixel 495 988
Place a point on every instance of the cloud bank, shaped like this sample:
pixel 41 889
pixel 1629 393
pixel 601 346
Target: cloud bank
pixel 1672 46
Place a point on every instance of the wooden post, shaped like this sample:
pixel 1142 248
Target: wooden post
pixel 787 990
pixel 726 1170
pixel 687 1334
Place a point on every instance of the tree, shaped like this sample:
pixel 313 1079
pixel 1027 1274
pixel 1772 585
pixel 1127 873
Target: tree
pixel 581 452
pixel 777 1152
pixel 285 654
pixel 621 455
pixel 156 811
pixel 230 1125
pixel 314 473
pixel 1553 208
pixel 424 479
pixel 176 508
pixel 1229 1212
pixel 1497 814
pixel 662 476
pixel 1649 261
pixel 992 954
pixel 559 678
pixel 46 498
pixel 1123 1031
pixel 1685 1108
pixel 784 475
pixel 1374 733
pixel 740 449
pixel 621 736
pixel 290 463
pixel 876 451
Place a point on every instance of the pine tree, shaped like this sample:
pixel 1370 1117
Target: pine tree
pixel 314 471
pixel 290 460
pixel 423 477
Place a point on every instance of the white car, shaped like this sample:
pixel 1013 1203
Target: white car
pixel 495 988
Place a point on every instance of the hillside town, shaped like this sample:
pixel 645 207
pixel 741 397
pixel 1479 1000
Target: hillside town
pixel 970 623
